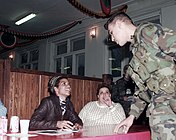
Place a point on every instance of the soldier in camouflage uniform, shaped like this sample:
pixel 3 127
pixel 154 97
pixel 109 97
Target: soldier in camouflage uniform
pixel 153 69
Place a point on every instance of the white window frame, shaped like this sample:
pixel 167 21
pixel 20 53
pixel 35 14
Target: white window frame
pixel 73 53
pixel 31 63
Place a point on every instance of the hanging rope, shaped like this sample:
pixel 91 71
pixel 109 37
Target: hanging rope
pixel 106 8
pixel 91 13
pixel 25 43
pixel 39 36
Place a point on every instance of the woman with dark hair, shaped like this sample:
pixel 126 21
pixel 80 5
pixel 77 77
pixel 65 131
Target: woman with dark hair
pixel 56 111
pixel 103 111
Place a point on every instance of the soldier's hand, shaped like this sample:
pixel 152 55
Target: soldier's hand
pixel 123 127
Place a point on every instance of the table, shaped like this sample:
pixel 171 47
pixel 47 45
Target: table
pixel 103 132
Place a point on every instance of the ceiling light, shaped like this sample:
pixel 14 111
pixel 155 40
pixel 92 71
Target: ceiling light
pixel 26 18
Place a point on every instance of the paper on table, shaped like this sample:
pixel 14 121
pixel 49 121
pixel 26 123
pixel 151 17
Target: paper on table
pixel 19 135
pixel 53 132
pixel 70 130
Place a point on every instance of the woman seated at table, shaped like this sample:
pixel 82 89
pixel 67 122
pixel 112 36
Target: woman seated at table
pixel 56 111
pixel 102 111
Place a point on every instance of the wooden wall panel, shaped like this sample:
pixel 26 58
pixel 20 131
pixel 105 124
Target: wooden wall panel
pixel 24 93
pixel 43 90
pixel 23 90
pixel 77 86
pixel 5 81
pixel 44 86
pixel 90 91
pixel 83 91
pixel 1 78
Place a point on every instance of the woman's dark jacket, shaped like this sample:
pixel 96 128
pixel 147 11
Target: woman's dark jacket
pixel 49 112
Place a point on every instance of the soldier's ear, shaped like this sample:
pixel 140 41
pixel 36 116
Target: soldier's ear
pixel 118 24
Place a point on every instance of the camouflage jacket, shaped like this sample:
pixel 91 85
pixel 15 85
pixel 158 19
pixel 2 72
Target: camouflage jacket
pixel 152 66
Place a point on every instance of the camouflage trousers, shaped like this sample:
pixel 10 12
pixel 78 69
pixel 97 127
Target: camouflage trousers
pixel 162 119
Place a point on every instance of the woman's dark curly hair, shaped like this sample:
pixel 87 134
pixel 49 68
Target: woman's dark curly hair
pixel 102 86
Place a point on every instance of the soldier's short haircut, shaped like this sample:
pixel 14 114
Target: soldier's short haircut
pixel 122 16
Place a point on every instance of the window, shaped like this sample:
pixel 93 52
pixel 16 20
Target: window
pixel 77 44
pixel 29 60
pixel 68 65
pixel 34 55
pixel 70 56
pixel 118 56
pixel 35 66
pixel 62 48
pixel 155 19
pixel 58 65
pixel 80 61
pixel 24 58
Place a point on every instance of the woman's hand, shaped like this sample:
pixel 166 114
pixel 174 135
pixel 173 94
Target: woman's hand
pixel 65 125
pixel 108 101
pixel 77 127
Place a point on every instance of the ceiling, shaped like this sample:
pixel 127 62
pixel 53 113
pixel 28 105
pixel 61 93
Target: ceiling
pixel 51 14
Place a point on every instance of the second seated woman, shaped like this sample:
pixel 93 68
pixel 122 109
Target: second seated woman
pixel 103 111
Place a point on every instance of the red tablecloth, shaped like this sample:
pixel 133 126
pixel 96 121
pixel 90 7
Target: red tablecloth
pixel 92 133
